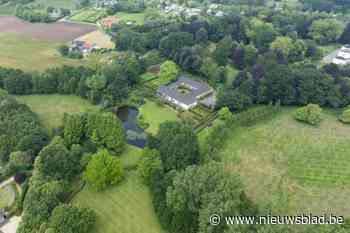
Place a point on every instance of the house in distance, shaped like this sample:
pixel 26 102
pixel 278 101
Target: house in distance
pixel 186 93
pixel 343 56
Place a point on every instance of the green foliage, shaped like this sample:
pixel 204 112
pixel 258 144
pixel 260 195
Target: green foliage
pixel 223 50
pixel 55 161
pixel 224 114
pixel 40 201
pixel 178 145
pixel 261 33
pixel 149 164
pixel 326 31
pixel 199 191
pixel 168 71
pixel 66 218
pixel 103 170
pixel 106 131
pixel 345 116
pixel 311 114
pixel 74 128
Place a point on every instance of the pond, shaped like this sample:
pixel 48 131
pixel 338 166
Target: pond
pixel 135 135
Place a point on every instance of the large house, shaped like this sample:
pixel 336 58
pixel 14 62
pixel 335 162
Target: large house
pixel 186 93
pixel 343 56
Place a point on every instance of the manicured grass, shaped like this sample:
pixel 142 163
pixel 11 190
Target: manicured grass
pixel 138 18
pixel 30 54
pixel 7 196
pixel 148 77
pixel 308 167
pixel 51 108
pixel 88 15
pixel 125 207
pixel 154 114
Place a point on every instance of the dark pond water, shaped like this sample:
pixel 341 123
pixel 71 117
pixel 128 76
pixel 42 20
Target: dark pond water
pixel 135 135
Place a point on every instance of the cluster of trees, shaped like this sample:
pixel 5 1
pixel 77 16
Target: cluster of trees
pixel 301 84
pixel 326 5
pixel 66 52
pixel 21 135
pixel 32 15
pixel 127 6
pixel 54 169
pixel 107 85
pixel 86 143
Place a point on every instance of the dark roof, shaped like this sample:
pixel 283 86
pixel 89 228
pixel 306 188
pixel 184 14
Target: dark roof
pixel 195 90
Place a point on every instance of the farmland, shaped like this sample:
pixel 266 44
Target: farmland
pixel 297 167
pixel 124 208
pixel 33 46
pixel 51 108
pixel 88 16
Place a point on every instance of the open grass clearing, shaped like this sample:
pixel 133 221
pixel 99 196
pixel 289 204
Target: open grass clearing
pixel 138 18
pixel 125 207
pixel 51 108
pixel 155 114
pixel 88 15
pixel 293 166
pixel 67 4
pixel 31 54
pixel 7 195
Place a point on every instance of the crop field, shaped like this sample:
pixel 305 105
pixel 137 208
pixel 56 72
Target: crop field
pixel 53 32
pixel 89 16
pixel 51 108
pixel 125 207
pixel 155 114
pixel 293 165
pixel 33 46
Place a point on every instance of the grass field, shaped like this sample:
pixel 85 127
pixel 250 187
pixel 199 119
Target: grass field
pixel 7 196
pixel 51 108
pixel 7 9
pixel 30 54
pixel 88 15
pixel 293 166
pixel 123 208
pixel 138 18
pixel 155 114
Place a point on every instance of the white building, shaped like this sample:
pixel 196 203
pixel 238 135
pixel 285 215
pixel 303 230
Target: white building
pixel 343 56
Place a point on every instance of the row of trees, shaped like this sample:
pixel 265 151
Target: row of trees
pixel 107 85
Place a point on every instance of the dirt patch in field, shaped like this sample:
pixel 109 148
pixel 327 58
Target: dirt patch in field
pixel 55 32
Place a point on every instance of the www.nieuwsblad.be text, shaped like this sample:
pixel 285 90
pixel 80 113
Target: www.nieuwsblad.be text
pixel 304 219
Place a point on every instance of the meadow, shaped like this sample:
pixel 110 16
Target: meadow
pixel 138 18
pixel 123 208
pixel 154 114
pixel 31 54
pixel 291 167
pixel 51 108
pixel 88 16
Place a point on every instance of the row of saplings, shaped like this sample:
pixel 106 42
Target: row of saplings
pixel 312 114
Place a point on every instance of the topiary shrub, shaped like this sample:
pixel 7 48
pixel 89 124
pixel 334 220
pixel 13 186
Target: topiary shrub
pixel 345 116
pixel 310 114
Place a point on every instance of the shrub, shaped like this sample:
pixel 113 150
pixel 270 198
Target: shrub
pixel 311 114
pixel 345 116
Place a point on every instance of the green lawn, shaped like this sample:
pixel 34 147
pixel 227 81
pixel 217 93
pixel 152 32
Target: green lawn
pixel 123 208
pixel 51 108
pixel 68 4
pixel 30 54
pixel 88 15
pixel 155 114
pixel 138 18
pixel 288 163
pixel 7 196
pixel 7 9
